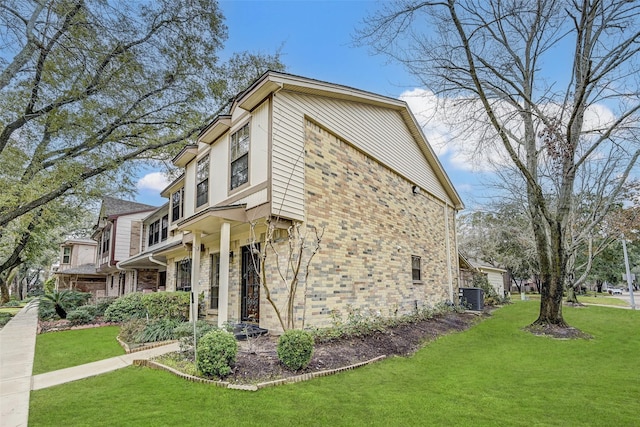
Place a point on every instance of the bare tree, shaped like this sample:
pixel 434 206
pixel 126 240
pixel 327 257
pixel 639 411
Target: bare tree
pixel 498 66
pixel 285 257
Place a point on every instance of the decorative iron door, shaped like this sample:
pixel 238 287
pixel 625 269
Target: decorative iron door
pixel 250 285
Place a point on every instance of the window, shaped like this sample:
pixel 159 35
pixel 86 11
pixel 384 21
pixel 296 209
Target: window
pixel 215 281
pixel 183 275
pixel 416 272
pixel 154 233
pixel 164 228
pixel 106 237
pixel 240 157
pixel 202 179
pixel 177 202
pixel 159 230
pixel 66 255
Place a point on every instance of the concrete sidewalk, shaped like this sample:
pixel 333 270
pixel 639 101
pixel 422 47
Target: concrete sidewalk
pixel 74 373
pixel 17 347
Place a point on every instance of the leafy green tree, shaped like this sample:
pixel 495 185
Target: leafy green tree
pixel 88 86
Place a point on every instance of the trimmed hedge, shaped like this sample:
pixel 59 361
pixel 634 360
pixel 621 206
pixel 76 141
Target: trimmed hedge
pixel 217 352
pixel 157 305
pixel 295 348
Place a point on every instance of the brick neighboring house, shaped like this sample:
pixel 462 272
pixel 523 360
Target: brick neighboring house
pixel 77 269
pixel 295 150
pixel 118 234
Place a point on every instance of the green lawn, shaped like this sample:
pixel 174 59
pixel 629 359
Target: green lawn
pixel 493 374
pixel 604 299
pixel 11 310
pixel 58 350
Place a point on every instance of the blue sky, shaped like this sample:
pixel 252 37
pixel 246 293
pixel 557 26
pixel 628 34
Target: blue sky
pixel 316 40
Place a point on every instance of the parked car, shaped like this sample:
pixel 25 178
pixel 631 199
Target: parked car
pixel 615 291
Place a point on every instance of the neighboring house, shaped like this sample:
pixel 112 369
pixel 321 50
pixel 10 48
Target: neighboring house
pixel 147 270
pixel 77 269
pixel 118 233
pixel 295 150
pixel 497 277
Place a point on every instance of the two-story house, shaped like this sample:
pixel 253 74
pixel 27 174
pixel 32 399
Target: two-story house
pixel 293 150
pixel 147 270
pixel 77 269
pixel 118 233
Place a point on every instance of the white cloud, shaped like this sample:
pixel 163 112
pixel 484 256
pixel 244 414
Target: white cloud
pixel 155 181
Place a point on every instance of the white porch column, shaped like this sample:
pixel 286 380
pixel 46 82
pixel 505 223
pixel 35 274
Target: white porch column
pixel 195 276
pixel 223 292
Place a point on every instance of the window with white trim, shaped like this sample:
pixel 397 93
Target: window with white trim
pixel 66 255
pixel 202 179
pixel 240 157
pixel 177 203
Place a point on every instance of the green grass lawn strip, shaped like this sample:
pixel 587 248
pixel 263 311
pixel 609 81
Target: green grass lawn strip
pixel 63 349
pixel 492 374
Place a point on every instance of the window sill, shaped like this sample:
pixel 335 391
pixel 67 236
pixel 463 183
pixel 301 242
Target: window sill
pixel 418 282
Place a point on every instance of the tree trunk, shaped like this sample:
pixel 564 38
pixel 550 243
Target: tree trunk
pixel 4 291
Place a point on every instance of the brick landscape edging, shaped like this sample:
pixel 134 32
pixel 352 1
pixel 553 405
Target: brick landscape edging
pixel 253 387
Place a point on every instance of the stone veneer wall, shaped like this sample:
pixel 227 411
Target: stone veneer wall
pixel 373 225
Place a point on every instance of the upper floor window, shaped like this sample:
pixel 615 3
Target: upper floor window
pixel 106 237
pixel 416 270
pixel 177 203
pixel 164 227
pixel 158 230
pixel 240 157
pixel 202 180
pixel 66 255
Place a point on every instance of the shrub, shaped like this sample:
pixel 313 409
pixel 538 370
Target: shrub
pixel 65 300
pixel 12 303
pixel 81 315
pixel 126 307
pixel 46 312
pixel 158 330
pixel 103 303
pixel 167 305
pixel 295 348
pixel 4 318
pixel 184 333
pixel 131 330
pixel 217 352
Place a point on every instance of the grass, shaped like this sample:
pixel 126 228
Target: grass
pixel 58 350
pixel 11 310
pixel 592 298
pixel 492 374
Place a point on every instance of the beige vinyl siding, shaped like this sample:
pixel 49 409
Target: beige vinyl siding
pixel 287 166
pixel 259 145
pixel 380 132
pixel 123 239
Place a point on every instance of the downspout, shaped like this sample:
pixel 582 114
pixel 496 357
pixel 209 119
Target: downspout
pixel 448 246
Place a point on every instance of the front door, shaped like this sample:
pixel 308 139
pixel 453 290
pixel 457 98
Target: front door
pixel 250 285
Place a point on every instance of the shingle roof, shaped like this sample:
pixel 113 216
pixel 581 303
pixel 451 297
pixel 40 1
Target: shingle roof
pixel 112 206
pixel 84 269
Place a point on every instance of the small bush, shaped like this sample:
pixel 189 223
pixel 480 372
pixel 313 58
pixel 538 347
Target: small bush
pixel 127 307
pixel 158 330
pixel 46 312
pixel 4 318
pixel 103 303
pixel 184 333
pixel 295 348
pixel 81 315
pixel 217 352
pixel 131 330
pixel 167 305
pixel 12 303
